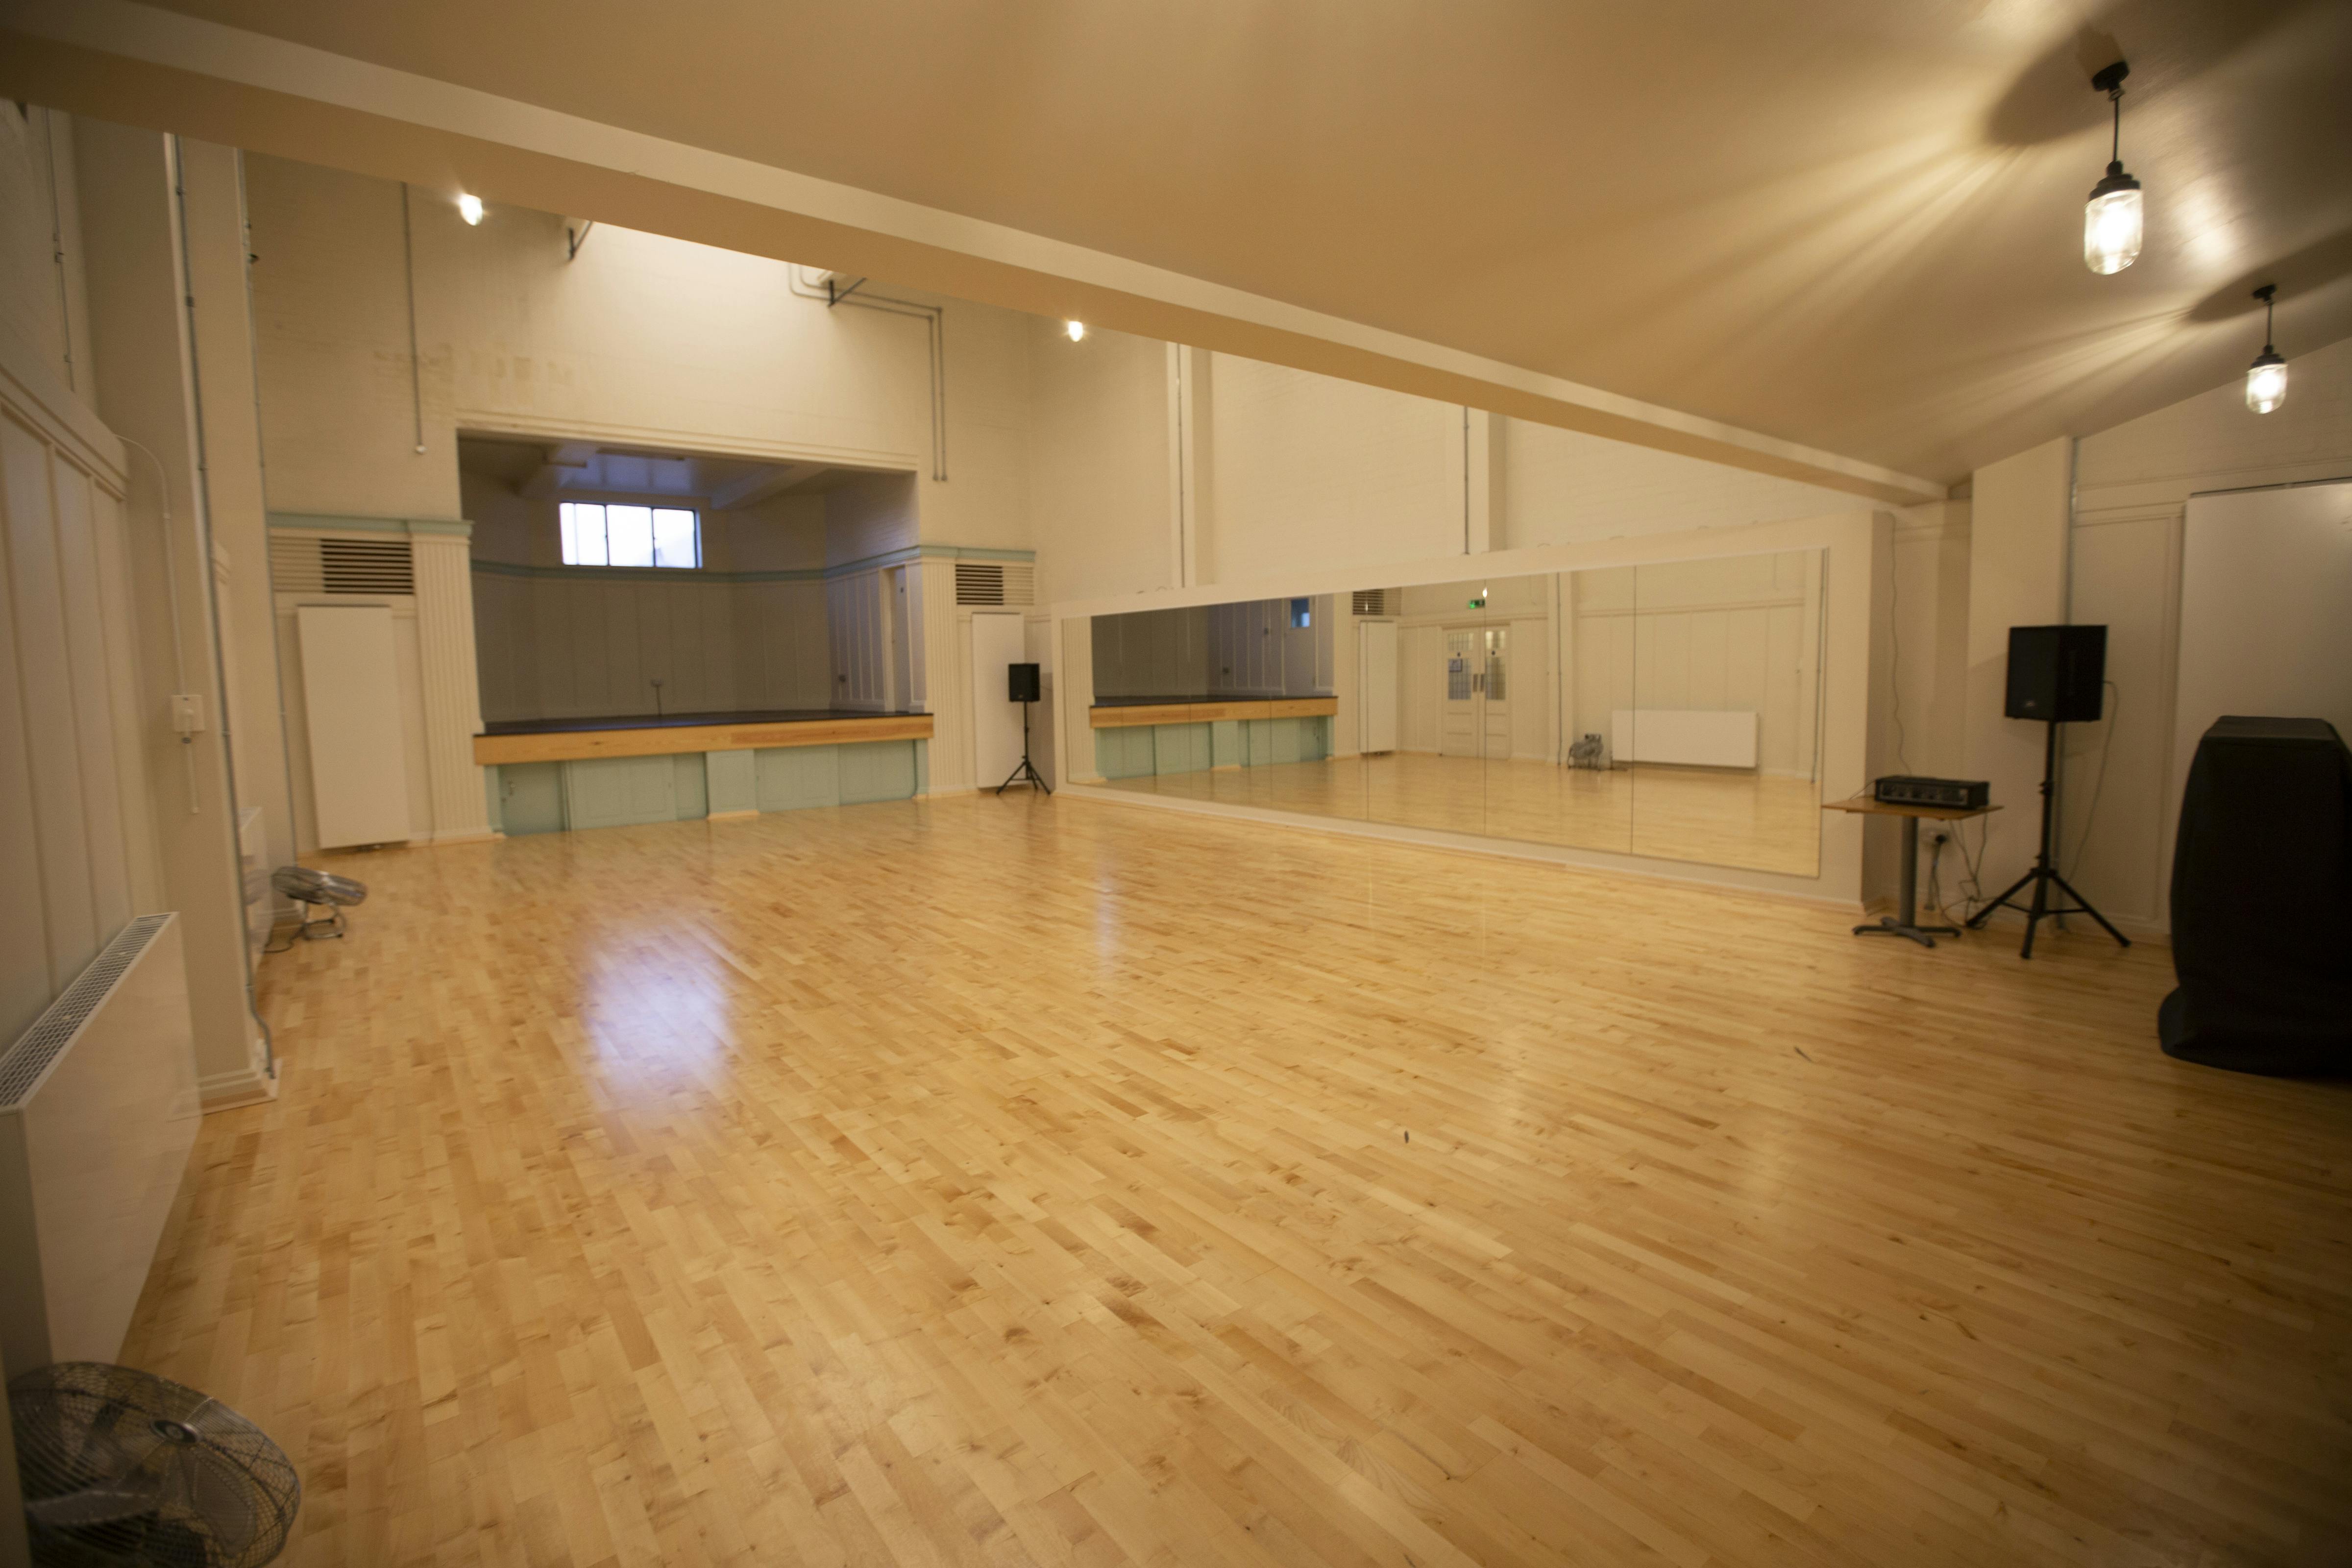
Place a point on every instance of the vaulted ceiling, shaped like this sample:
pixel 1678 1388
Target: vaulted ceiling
pixel 1844 224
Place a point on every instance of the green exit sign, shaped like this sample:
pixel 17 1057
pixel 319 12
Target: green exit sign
pixel 1478 604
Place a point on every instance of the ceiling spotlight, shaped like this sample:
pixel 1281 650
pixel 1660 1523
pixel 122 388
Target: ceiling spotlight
pixel 1077 331
pixel 2266 377
pixel 470 207
pixel 2111 222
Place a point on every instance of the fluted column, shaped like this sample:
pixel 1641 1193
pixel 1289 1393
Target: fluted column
pixel 442 558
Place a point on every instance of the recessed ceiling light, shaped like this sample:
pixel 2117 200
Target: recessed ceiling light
pixel 2266 377
pixel 1077 331
pixel 470 207
pixel 2112 219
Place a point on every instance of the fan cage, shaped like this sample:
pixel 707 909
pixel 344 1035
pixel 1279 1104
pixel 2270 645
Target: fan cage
pixel 124 1466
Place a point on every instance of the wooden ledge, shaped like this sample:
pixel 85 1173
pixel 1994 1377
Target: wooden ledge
pixel 582 745
pixel 1130 715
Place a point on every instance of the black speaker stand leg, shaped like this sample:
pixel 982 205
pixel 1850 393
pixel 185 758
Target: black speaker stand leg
pixel 2044 875
pixel 1028 771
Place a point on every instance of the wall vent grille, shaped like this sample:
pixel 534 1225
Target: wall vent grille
pixel 1370 602
pixel 28 1060
pixel 1011 582
pixel 303 563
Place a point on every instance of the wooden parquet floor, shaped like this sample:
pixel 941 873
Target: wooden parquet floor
pixel 998 1182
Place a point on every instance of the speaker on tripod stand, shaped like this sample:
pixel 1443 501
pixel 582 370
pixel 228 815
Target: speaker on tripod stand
pixel 2059 676
pixel 1022 686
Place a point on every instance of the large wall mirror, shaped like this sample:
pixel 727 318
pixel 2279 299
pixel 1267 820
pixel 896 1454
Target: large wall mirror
pixel 1670 711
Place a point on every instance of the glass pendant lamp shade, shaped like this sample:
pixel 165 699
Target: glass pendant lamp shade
pixel 2266 383
pixel 2266 377
pixel 2111 220
pixel 2111 223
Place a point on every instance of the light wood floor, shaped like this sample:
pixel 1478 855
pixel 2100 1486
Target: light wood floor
pixel 996 1182
pixel 1759 821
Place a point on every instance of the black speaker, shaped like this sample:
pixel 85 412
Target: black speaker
pixel 1021 683
pixel 2057 673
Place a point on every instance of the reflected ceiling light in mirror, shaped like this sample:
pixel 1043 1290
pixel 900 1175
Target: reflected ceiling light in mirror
pixel 1077 331
pixel 470 207
pixel 2112 220
pixel 2266 377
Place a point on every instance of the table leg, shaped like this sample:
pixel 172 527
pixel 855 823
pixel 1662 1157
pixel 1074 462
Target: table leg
pixel 1904 922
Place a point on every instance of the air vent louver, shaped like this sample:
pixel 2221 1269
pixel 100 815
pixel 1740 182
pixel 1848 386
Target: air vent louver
pixel 1370 602
pixel 1009 583
pixel 305 564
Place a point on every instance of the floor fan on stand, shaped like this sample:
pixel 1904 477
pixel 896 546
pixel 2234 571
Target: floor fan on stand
pixel 120 1467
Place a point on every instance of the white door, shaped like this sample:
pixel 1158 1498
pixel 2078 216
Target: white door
pixel 1376 688
pixel 997 644
pixel 1458 715
pixel 351 704
pixel 1476 715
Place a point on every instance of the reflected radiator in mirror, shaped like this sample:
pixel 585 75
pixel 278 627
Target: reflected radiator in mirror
pixel 1702 740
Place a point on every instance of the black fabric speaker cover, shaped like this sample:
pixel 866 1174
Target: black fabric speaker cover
pixel 1021 683
pixel 2262 902
pixel 2057 673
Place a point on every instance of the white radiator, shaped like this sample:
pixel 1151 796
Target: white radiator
pixel 97 1112
pixel 1691 739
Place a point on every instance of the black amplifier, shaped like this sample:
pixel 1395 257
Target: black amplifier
pixel 1957 794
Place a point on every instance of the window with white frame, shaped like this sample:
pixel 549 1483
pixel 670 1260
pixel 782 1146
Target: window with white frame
pixel 598 534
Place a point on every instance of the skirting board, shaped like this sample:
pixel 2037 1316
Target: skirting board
pixel 234 1090
pixel 1738 880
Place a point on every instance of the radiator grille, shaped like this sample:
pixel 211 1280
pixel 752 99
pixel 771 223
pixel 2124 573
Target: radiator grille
pixel 27 1061
pixel 1370 602
pixel 302 564
pixel 995 582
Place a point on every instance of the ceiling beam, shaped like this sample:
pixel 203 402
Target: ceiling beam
pixel 135 64
pixel 563 465
pixel 761 483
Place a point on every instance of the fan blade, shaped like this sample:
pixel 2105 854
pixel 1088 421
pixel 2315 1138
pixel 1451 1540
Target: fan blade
pixel 132 1495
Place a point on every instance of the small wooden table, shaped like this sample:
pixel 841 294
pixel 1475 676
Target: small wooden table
pixel 1904 922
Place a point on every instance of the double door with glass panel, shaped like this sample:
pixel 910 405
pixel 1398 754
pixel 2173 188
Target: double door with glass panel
pixel 1476 716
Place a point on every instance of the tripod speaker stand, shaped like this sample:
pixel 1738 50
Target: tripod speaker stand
pixel 2058 675
pixel 1020 686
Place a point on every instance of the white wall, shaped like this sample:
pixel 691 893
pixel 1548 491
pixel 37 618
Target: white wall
pixel 1554 487
pixel 2132 486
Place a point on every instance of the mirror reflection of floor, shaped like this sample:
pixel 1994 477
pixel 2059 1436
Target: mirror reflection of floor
pixel 1757 821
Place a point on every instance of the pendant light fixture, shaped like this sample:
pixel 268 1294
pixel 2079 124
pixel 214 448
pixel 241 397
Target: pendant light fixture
pixel 2111 222
pixel 2266 377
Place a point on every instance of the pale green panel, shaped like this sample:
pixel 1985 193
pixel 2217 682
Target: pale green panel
pixel 490 798
pixel 692 786
pixel 530 797
pixel 877 770
pixel 1286 740
pixel 1257 742
pixel 730 782
pixel 791 777
pixel 1180 748
pixel 616 792
pixel 922 767
pixel 1123 754
pixel 1314 738
pixel 1226 748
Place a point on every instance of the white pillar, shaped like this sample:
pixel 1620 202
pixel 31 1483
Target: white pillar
pixel 441 559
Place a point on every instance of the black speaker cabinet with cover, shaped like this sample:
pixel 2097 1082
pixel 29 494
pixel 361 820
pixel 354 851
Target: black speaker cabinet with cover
pixel 2262 902
pixel 2057 674
pixel 1021 683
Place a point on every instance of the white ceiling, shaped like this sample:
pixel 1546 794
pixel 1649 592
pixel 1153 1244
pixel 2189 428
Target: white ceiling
pixel 1841 223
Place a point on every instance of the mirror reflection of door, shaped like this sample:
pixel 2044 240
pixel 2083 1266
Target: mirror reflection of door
pixel 1477 717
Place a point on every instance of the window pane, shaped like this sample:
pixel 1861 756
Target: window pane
pixel 629 535
pixel 584 533
pixel 678 541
